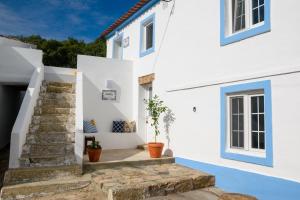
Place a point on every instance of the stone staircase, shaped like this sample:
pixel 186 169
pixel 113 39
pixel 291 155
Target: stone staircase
pixel 48 161
pixel 51 137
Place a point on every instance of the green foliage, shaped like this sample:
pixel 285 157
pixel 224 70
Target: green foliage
pixel 155 107
pixel 95 145
pixel 64 53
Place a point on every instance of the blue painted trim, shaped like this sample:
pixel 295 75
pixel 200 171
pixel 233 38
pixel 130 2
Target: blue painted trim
pixel 235 180
pixel 149 19
pixel 118 38
pixel 266 27
pixel 266 86
pixel 146 7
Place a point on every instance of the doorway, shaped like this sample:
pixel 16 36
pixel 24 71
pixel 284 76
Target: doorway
pixel 145 93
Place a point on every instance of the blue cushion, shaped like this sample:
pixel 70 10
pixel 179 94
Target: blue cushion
pixel 88 127
pixel 118 126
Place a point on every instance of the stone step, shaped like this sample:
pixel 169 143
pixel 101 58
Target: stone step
pixel 29 161
pixel 58 84
pixel 141 182
pixel 52 138
pixel 61 103
pixel 58 96
pixel 44 188
pixel 51 119
pixel 55 127
pixel 59 89
pixel 52 110
pixel 40 150
pixel 34 174
pixel 90 166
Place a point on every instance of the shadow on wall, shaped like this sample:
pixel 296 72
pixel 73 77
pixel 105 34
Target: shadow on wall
pixel 105 112
pixel 168 120
pixel 15 67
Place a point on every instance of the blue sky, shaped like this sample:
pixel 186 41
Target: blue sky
pixel 60 19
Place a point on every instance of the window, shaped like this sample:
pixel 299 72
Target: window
pixel 241 19
pixel 246 123
pixel 147 36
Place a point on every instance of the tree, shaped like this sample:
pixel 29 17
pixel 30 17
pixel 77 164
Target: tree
pixel 64 53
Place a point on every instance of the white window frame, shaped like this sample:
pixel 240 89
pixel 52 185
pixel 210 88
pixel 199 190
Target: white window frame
pixel 247 150
pixel 248 18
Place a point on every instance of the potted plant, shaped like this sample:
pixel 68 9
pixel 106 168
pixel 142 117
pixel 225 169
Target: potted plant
pixel 155 107
pixel 94 151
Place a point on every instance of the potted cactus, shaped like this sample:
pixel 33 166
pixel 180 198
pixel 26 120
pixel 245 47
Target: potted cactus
pixel 94 151
pixel 155 107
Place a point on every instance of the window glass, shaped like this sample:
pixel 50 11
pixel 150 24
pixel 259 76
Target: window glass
pixel 149 36
pixel 237 122
pixel 257 122
pixel 238 8
pixel 258 11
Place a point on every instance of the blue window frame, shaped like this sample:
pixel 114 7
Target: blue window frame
pixel 264 86
pixel 147 36
pixel 241 19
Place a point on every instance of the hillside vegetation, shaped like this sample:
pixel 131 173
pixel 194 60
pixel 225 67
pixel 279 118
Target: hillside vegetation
pixel 64 53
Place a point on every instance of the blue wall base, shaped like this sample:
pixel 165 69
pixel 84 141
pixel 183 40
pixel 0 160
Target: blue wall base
pixel 260 186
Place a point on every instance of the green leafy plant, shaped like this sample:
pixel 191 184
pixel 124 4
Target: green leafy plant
pixel 155 107
pixel 95 145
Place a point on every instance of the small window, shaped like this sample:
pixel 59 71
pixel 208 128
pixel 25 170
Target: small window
pixel 241 19
pixel 147 36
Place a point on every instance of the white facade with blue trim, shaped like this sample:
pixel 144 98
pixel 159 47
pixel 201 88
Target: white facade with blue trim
pixel 210 55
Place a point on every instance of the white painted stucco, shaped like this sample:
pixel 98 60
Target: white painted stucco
pixel 188 54
pixel 96 72
pixel 15 43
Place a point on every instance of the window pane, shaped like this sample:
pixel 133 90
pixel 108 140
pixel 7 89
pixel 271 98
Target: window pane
pixel 238 15
pixel 254 122
pixel 262 13
pixel 255 17
pixel 262 122
pixel 234 106
pixel 149 36
pixel 254 140
pixel 241 122
pixel 261 2
pixel 235 122
pixel 261 104
pixel 241 139
pixel 254 105
pixel 262 140
pixel 235 139
pixel 254 3
pixel 241 105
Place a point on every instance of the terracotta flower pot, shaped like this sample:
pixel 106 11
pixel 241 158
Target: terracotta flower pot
pixel 94 154
pixel 155 149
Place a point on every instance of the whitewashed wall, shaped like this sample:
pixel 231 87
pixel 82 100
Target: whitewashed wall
pixel 191 56
pixel 15 43
pixel 60 74
pixel 96 71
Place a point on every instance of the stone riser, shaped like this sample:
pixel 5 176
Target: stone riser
pixel 51 119
pixel 26 175
pixel 58 96
pixel 52 128
pixel 52 138
pixel 53 110
pixel 57 103
pixel 53 161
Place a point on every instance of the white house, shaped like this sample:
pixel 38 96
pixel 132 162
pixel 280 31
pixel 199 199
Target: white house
pixel 229 70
